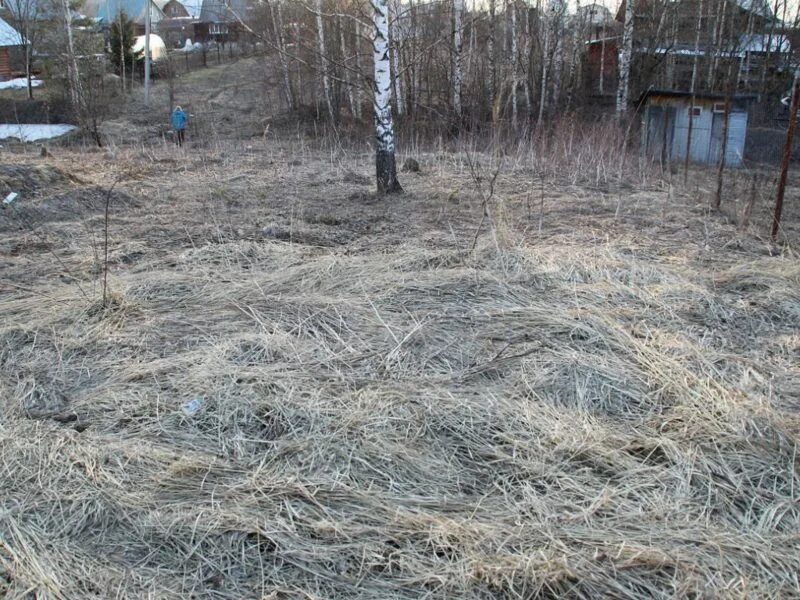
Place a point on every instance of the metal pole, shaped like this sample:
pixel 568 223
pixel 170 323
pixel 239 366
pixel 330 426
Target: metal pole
pixel 147 53
pixel 787 155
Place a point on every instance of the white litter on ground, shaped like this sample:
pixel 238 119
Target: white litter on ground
pixel 20 83
pixel 34 133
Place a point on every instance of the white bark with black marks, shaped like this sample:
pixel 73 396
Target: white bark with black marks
pixel 323 57
pixel 385 165
pixel 626 53
pixel 457 55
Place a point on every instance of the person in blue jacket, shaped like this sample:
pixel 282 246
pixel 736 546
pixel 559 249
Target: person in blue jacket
pixel 179 119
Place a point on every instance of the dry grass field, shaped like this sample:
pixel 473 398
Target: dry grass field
pixel 298 390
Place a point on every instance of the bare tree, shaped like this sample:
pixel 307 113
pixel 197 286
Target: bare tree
pixel 27 16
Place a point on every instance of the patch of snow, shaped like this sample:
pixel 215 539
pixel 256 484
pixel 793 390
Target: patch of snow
pixel 34 133
pixel 20 83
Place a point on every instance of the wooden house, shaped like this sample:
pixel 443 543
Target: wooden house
pixel 10 39
pixel 221 20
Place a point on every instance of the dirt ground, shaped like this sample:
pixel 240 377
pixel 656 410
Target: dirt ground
pixel 296 389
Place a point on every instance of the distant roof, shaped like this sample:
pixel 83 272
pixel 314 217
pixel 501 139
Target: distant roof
pixel 193 7
pixel 223 11
pixel 9 36
pixel 107 11
pixel 30 9
pixel 697 95
pixel 757 7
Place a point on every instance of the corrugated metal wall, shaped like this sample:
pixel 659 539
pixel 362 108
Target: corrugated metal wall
pixel 706 132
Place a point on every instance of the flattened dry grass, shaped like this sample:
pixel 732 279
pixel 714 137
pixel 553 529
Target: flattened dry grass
pixel 604 409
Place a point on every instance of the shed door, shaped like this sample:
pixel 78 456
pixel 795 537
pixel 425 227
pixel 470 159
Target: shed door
pixel 737 132
pixel 737 129
pixel 701 130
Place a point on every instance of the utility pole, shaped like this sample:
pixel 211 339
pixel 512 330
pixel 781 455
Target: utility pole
pixel 147 52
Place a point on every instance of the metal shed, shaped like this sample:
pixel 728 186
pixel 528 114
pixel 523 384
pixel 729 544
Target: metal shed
pixel 665 126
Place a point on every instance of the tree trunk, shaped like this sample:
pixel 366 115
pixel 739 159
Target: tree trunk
pixel 458 75
pixel 692 88
pixel 514 65
pixel 323 57
pixel 626 55
pixel 395 54
pixel 385 166
pixel 543 83
pixel 492 82
pixel 724 148
pixel 277 24
pixel 73 75
pixel 346 71
pixel 601 83
pixel 28 65
pixel 357 91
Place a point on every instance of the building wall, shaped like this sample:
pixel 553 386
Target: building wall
pixel 667 130
pixel 5 65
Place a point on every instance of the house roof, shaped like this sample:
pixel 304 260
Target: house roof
pixel 34 10
pixel 223 11
pixel 193 7
pixel 697 95
pixel 10 36
pixel 106 11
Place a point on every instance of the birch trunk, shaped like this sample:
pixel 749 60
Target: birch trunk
pixel 718 48
pixel 277 23
pixel 527 75
pixel 323 57
pixel 558 65
pixel 73 75
pixel 492 83
pixel 577 37
pixel 385 165
pixel 514 65
pixel 625 60
pixel 415 73
pixel 470 52
pixel 28 61
pixel 543 83
pixel 395 54
pixel 457 58
pixel 346 71
pixel 357 91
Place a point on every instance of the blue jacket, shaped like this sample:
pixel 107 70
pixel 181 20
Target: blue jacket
pixel 178 119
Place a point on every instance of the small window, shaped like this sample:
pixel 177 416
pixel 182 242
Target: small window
pixel 719 107
pixel 695 111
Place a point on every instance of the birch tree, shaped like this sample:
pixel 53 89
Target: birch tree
pixel 626 54
pixel 73 75
pixel 323 56
pixel 492 78
pixel 276 14
pixel 457 57
pixel 395 55
pixel 385 165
